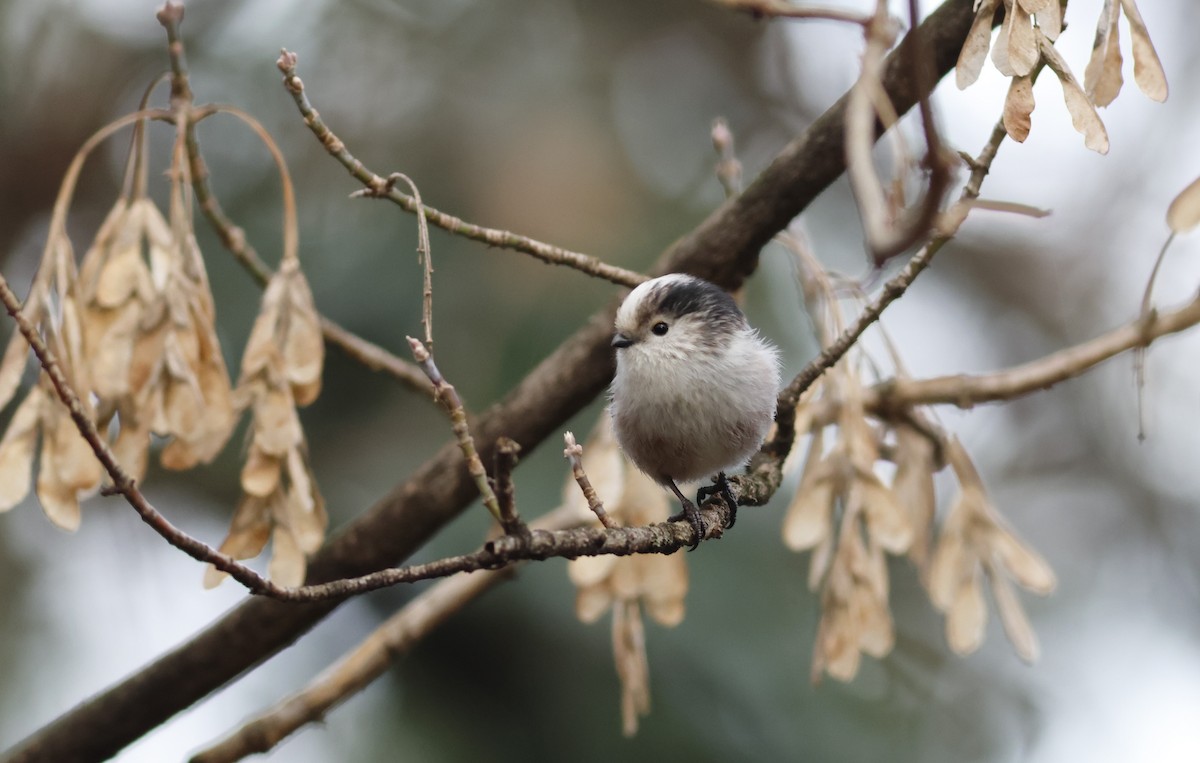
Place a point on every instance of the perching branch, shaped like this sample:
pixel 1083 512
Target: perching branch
pixel 723 249
pixel 495 554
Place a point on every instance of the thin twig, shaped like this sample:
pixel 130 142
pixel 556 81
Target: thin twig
pixel 502 483
pixel 784 10
pixel 729 168
pixel 664 538
pixel 424 252
pixel 574 453
pixel 448 397
pixel 658 539
pixel 379 187
pixel 1139 354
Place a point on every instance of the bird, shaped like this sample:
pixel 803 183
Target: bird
pixel 695 387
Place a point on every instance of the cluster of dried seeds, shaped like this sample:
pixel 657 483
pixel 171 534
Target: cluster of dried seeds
pixel 68 471
pixel 975 542
pixel 851 520
pixel 630 585
pixel 149 323
pixel 134 330
pixel 1026 40
pixel 281 369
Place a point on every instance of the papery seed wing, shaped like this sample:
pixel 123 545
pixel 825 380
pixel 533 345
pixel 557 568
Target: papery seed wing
pixel 16 450
pixel 1016 624
pixel 1102 78
pixel 974 52
pixel 1083 114
pixel 590 570
pixel 288 564
pixel 967 617
pixel 1018 108
pixel 12 367
pixel 1025 565
pixel 592 601
pixel 1182 216
pixel 1147 69
pixel 304 345
pixel 248 534
pixel 261 473
pixel 276 426
pixel 1022 45
pixel 1049 20
pixel 887 520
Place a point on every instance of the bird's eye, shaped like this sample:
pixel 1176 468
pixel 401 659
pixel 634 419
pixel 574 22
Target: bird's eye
pixel 659 328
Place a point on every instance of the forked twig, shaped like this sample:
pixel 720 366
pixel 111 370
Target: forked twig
pixel 574 453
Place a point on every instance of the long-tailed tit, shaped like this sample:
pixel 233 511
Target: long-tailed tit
pixel 695 389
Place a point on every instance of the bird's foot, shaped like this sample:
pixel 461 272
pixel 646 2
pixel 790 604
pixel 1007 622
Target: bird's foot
pixel 722 488
pixel 692 515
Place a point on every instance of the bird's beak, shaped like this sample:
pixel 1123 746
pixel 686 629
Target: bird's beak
pixel 620 341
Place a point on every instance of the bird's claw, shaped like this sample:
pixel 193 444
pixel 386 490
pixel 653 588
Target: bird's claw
pixel 722 488
pixel 694 518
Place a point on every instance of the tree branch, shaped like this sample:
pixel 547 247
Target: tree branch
pixel 968 390
pixel 724 249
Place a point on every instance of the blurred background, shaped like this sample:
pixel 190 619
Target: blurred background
pixel 587 125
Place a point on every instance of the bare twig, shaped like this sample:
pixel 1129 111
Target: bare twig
pixel 423 256
pixel 448 397
pixel 1139 354
pixel 662 538
pixel 378 187
pixel 574 453
pixel 729 168
pixel 368 661
pixel 502 483
pixel 785 10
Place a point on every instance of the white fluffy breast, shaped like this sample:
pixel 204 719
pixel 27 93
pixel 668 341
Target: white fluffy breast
pixel 686 415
